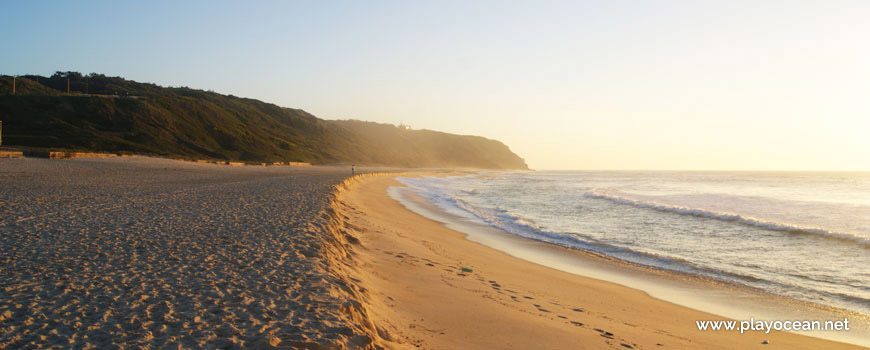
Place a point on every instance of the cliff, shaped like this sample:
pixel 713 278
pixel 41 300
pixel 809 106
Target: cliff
pixel 112 114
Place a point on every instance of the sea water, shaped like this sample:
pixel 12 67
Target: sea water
pixel 800 235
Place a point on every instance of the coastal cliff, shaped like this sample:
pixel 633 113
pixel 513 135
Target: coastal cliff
pixel 112 114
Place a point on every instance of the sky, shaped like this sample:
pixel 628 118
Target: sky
pixel 666 85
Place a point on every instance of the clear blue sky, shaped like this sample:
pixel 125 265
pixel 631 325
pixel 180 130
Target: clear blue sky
pixel 601 85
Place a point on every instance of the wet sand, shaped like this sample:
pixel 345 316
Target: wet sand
pixel 413 270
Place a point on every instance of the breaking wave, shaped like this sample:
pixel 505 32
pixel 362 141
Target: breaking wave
pixel 729 217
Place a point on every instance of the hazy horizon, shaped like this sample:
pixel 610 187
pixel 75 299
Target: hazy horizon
pixel 624 85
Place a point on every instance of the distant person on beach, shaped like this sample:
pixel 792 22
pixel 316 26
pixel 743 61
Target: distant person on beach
pixel 352 170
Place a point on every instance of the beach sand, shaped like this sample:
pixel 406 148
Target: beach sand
pixel 154 254
pixel 416 290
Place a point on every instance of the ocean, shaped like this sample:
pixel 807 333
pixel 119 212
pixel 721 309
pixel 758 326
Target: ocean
pixel 799 235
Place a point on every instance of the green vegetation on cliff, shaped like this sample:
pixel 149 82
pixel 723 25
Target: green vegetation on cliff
pixel 112 114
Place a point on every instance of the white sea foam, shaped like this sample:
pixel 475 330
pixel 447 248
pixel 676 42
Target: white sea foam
pixel 787 234
pixel 433 190
pixel 745 220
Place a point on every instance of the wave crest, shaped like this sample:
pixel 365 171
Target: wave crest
pixel 729 217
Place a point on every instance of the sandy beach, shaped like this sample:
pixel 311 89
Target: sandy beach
pixel 413 270
pixel 153 254
pixel 440 175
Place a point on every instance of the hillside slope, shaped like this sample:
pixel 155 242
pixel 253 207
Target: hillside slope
pixel 121 115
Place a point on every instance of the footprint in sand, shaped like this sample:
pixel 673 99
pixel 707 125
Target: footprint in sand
pixel 604 333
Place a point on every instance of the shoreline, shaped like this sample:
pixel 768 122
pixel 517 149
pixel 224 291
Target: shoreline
pixel 411 266
pixel 722 298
